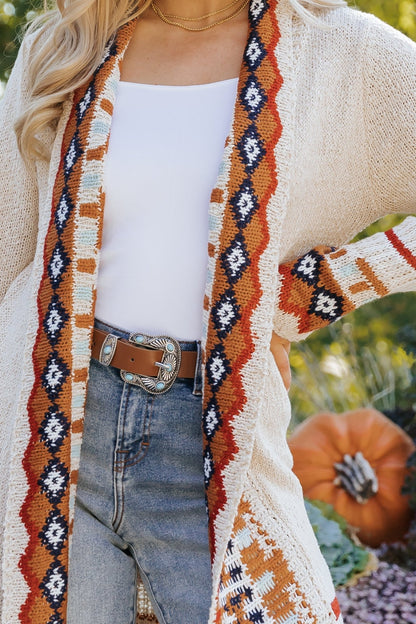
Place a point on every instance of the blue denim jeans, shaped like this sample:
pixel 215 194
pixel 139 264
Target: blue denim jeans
pixel 140 503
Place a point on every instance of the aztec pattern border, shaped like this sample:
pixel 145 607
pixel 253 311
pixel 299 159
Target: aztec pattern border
pixel 257 586
pixel 325 284
pixel 236 288
pixel 61 353
pixel 235 294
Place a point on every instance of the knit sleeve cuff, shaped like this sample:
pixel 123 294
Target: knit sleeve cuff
pixel 326 283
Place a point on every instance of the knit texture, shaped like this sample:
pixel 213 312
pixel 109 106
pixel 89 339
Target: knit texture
pixel 243 238
pixel 323 285
pixel 63 343
pixel 322 142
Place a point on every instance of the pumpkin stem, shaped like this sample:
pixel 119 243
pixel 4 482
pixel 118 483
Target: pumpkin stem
pixel 357 477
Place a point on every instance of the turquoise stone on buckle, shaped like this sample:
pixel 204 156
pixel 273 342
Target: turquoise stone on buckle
pixel 168 367
pixel 108 349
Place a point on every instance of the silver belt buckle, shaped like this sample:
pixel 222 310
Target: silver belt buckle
pixel 168 367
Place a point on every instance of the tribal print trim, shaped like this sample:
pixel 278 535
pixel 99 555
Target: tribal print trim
pixel 62 349
pixel 256 585
pixel 309 290
pixel 249 163
pixel 325 284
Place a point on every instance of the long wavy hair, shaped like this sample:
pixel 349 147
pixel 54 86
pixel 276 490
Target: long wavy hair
pixel 69 39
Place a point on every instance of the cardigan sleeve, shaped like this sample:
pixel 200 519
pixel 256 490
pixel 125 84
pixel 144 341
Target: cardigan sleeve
pixel 325 284
pixel 18 185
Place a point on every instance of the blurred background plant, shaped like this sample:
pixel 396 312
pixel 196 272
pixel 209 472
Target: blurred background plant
pixel 367 359
pixel 13 15
pixel 398 13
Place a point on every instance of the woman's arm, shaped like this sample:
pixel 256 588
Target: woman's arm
pixel 18 185
pixel 280 348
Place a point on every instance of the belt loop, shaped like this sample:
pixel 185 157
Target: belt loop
pixel 197 389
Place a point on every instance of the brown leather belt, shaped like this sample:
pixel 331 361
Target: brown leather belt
pixel 140 360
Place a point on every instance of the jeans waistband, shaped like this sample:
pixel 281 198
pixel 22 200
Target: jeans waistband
pixel 185 345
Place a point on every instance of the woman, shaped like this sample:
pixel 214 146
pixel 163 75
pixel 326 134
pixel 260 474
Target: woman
pixel 321 142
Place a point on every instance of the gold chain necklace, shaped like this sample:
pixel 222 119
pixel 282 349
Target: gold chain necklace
pixel 166 19
pixel 196 19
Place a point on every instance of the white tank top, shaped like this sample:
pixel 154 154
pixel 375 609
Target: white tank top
pixel 165 148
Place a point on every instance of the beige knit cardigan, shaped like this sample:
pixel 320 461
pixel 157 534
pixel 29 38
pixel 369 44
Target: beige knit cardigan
pixel 329 114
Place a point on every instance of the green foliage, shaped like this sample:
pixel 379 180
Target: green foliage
pixel 13 15
pixel 398 13
pixel 404 413
pixel 345 558
pixel 360 361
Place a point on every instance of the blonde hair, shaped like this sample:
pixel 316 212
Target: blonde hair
pixel 68 44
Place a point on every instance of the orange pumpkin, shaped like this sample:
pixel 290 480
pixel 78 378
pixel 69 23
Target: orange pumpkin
pixel 356 462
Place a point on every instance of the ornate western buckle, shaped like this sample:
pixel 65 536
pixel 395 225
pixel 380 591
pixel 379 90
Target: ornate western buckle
pixel 168 367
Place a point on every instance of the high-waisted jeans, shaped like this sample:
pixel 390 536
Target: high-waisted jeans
pixel 140 504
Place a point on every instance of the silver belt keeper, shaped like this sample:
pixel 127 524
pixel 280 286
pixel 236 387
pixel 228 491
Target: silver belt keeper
pixel 108 348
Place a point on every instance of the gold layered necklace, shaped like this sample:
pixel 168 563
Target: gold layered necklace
pixel 172 19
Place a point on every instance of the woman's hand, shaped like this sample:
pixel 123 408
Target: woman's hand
pixel 280 348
